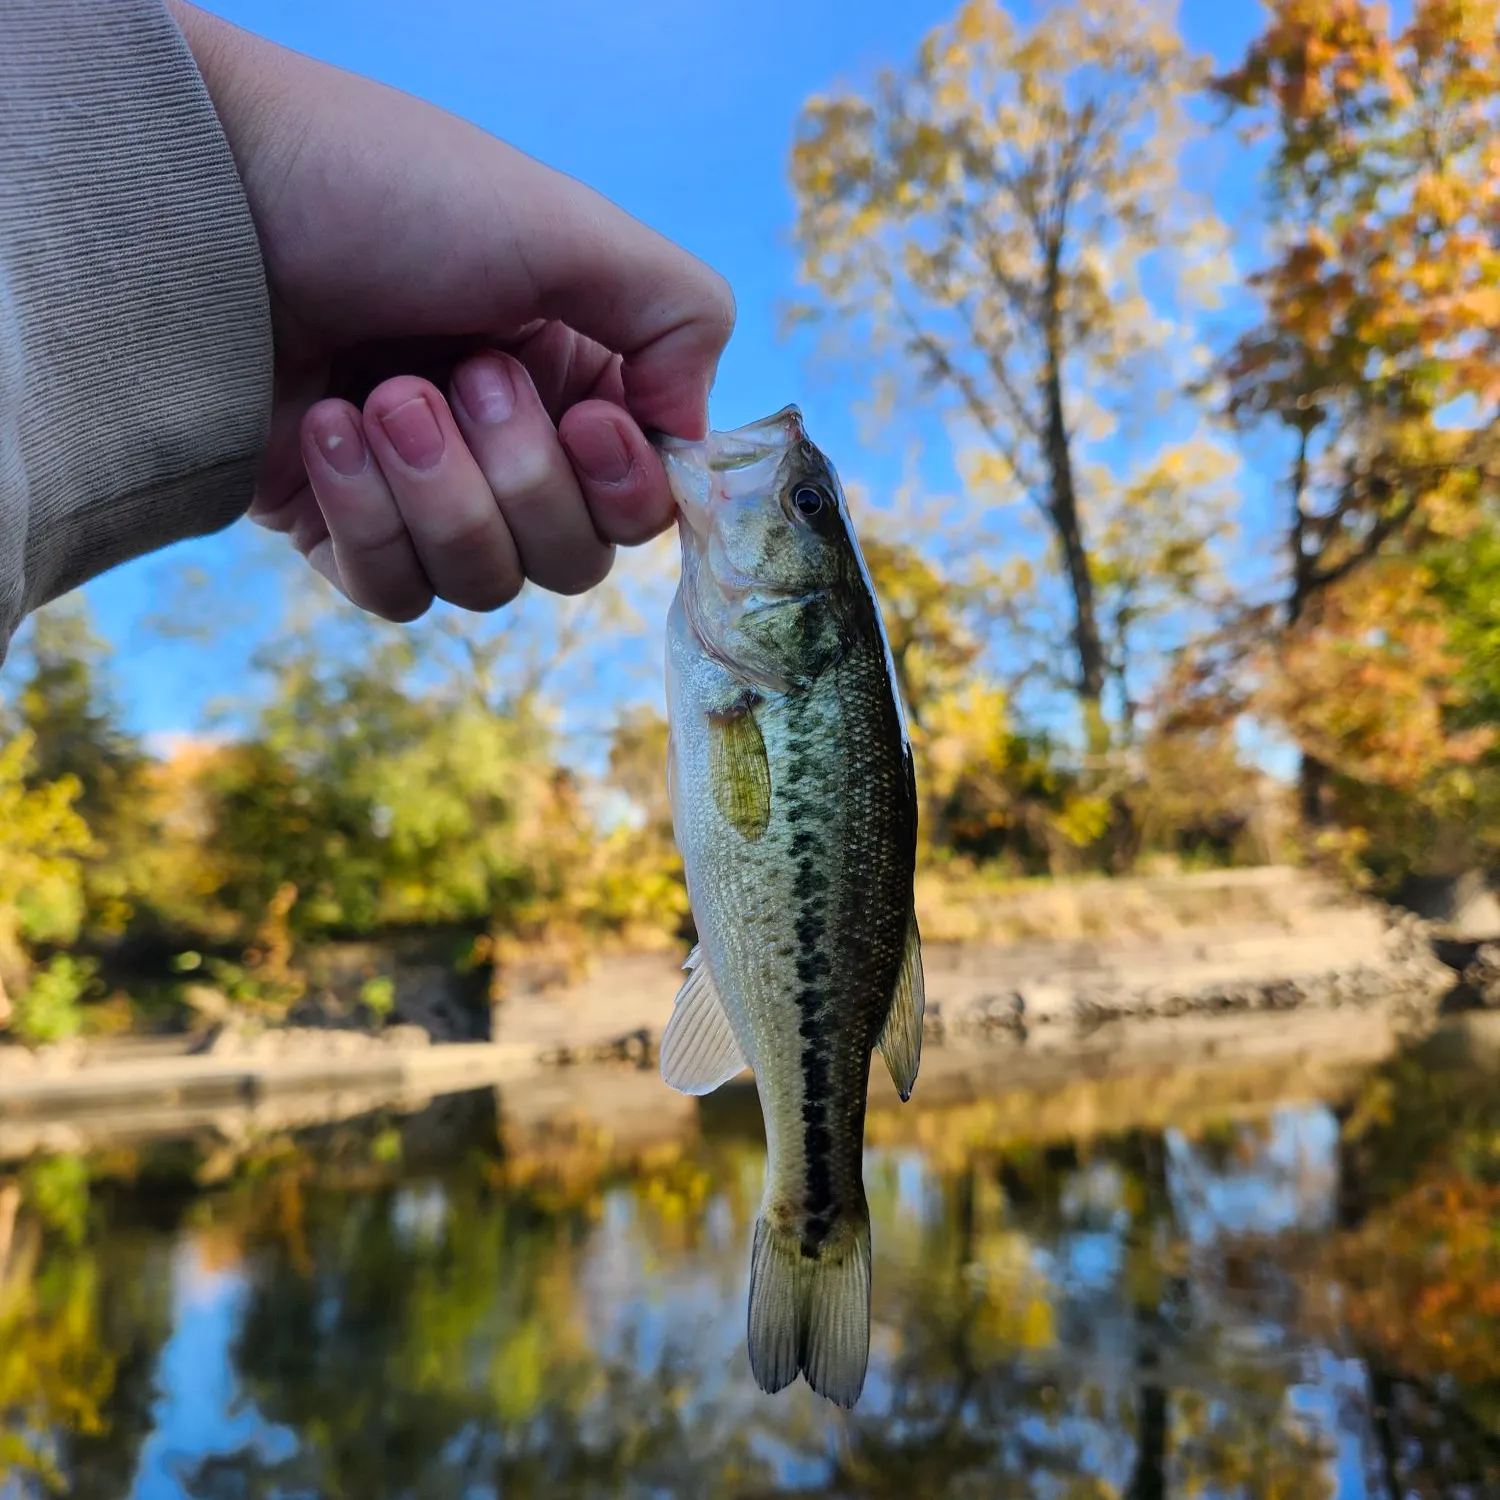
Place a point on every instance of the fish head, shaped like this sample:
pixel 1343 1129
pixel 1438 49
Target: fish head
pixel 772 579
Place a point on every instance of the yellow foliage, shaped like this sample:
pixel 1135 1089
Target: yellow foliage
pixel 1366 683
pixel 42 844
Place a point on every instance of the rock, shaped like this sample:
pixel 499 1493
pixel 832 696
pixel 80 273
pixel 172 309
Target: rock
pixel 211 1003
pixel 634 1048
pixel 62 1057
pixel 1483 975
pixel 1463 906
pixel 405 1038
pixel 1040 1004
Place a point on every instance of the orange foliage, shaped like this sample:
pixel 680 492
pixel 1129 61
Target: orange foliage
pixel 1368 681
pixel 1422 1279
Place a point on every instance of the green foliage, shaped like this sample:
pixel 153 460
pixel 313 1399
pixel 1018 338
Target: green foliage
pixel 378 996
pixel 1465 583
pixel 42 839
pixel 57 1188
pixel 50 1008
pixel 66 701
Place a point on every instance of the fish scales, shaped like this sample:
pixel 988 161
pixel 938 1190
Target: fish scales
pixel 794 806
pixel 823 898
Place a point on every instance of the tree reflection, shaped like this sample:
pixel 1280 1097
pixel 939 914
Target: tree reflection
pixel 82 1322
pixel 1130 1316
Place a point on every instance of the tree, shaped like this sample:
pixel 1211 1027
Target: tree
pixel 42 842
pixel 1379 350
pixel 1156 562
pixel 67 704
pixel 994 215
pixel 936 619
pixel 987 788
pixel 83 1318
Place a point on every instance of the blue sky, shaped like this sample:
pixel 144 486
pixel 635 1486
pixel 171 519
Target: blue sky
pixel 679 110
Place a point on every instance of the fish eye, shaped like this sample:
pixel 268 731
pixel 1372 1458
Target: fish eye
pixel 808 501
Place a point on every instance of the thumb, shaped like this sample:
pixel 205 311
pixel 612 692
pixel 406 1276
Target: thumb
pixel 611 278
pixel 384 217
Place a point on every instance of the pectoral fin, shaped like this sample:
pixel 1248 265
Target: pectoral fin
pixel 901 1039
pixel 740 772
pixel 699 1051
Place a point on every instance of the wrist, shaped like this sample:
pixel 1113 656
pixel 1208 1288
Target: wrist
pixel 240 85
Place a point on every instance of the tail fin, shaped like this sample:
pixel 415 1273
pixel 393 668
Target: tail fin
pixel 810 1311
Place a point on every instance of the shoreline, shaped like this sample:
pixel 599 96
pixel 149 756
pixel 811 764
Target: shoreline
pixel 1307 977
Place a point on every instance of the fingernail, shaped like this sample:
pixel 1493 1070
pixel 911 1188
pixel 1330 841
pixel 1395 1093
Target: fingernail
pixel 414 433
pixel 485 388
pixel 600 452
pixel 341 443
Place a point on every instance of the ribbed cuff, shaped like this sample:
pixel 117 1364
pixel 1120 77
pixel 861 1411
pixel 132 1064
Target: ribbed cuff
pixel 135 336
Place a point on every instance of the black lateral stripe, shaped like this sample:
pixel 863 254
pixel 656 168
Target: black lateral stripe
pixel 813 969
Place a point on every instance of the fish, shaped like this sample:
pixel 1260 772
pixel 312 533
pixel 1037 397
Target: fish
pixel 794 806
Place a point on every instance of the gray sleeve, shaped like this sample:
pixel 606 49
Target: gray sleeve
pixel 135 338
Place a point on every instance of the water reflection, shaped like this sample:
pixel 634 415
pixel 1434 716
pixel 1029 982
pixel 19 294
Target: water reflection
pixel 1141 1315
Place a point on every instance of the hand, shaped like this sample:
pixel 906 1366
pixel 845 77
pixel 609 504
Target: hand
pixel 406 251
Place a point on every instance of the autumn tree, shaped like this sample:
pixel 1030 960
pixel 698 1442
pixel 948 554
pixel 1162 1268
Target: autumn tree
pixel 1159 535
pixel 988 788
pixel 42 845
pixel 1377 352
pixel 66 702
pixel 1008 216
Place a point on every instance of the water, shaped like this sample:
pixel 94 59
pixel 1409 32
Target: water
pixel 1299 1305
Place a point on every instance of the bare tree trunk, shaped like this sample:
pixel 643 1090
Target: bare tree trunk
pixel 1121 839
pixel 1149 1479
pixel 1063 509
pixel 1312 774
pixel 1312 791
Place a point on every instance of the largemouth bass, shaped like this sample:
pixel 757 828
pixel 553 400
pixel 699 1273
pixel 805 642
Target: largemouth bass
pixel 794 805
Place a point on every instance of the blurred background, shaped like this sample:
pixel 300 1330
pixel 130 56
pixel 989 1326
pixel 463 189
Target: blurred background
pixel 1158 348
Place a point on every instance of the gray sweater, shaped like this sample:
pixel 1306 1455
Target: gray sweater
pixel 135 335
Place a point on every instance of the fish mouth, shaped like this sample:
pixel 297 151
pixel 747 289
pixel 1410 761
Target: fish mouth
pixel 699 469
pixel 750 445
pixel 776 431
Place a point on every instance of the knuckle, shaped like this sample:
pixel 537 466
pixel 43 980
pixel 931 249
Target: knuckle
pixel 483 575
pixel 398 605
pixel 469 532
pixel 722 310
pixel 526 475
pixel 408 610
pixel 587 568
pixel 485 593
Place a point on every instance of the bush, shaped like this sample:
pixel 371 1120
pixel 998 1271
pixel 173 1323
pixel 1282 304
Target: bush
pixel 378 996
pixel 50 1009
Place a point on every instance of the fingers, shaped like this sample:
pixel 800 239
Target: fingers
pixel 623 482
pixel 457 531
pixel 373 560
pixel 618 471
pixel 417 499
pixel 530 479
pixel 409 515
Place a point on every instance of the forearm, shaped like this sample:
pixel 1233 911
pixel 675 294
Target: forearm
pixel 135 336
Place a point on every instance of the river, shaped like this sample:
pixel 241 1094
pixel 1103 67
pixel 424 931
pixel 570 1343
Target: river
pixel 1297 1302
